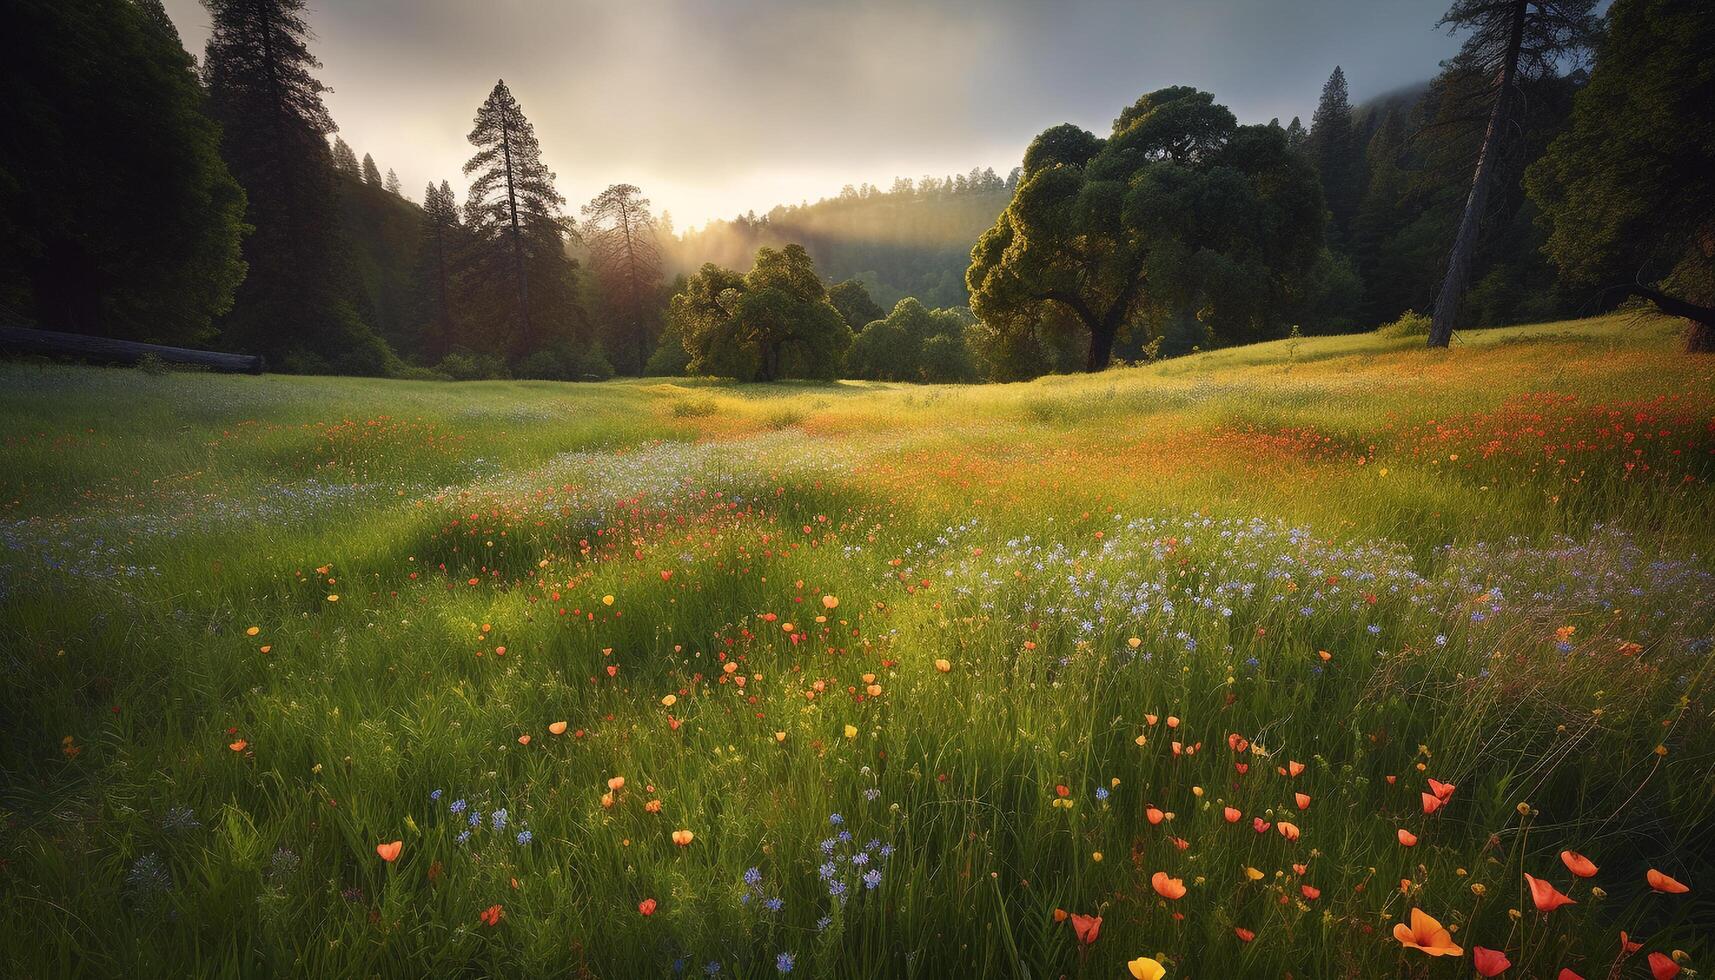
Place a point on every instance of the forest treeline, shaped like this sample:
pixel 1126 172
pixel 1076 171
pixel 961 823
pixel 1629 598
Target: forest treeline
pixel 1559 164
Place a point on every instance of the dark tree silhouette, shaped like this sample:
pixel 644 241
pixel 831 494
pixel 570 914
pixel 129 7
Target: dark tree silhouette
pixel 345 159
pixel 297 304
pixel 433 275
pixel 620 233
pixel 512 208
pixel 117 215
pixel 371 173
pixel 1509 40
pixel 1337 154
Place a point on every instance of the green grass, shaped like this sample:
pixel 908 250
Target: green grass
pixel 1384 563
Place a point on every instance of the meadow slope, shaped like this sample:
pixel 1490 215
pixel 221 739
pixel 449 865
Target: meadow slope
pixel 1250 653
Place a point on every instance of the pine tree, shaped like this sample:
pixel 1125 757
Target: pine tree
pixel 344 160
pixel 1334 150
pixel 392 183
pixel 512 209
pixel 1509 41
pixel 433 275
pixel 620 233
pixel 297 304
pixel 1296 137
pixel 1380 216
pixel 371 173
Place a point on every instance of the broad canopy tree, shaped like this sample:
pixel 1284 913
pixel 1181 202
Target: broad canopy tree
pixel 770 323
pixel 1629 190
pixel 1180 210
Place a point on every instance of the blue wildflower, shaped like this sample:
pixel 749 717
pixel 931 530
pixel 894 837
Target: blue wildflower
pixel 784 962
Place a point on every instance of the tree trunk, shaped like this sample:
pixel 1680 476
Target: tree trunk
pixel 1700 338
pixel 1465 243
pixel 517 241
pixel 1101 348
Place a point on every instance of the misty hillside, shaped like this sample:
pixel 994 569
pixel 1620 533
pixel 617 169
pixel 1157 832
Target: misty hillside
pixel 912 240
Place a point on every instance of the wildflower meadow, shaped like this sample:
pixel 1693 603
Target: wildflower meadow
pixel 1318 658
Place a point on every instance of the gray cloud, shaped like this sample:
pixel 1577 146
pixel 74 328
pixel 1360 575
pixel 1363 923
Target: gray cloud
pixel 718 107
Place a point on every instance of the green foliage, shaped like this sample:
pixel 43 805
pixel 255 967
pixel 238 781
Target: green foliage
pixel 1410 324
pixel 1180 210
pixel 854 303
pixel 1629 189
pixel 913 343
pixel 771 323
pixel 117 214
pixel 465 366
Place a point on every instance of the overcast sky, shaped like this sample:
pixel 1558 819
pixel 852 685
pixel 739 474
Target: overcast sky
pixel 714 107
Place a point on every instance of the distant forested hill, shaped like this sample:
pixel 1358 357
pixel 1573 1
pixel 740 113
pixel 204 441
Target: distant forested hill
pixel 911 240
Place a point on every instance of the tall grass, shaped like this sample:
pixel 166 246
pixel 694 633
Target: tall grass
pixel 1017 641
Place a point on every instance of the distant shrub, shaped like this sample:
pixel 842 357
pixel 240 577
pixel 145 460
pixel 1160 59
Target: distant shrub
pixel 151 363
pixel 416 372
pixel 1410 324
pixel 462 366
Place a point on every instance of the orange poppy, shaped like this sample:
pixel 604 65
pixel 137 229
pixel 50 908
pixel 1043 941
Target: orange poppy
pixel 1426 935
pixel 557 728
pixel 1287 830
pixel 1059 915
pixel 491 916
pixel 523 740
pixel 1627 946
pixel 1431 803
pixel 1578 864
pixel 1302 799
pixel 1231 814
pixel 1086 928
pixel 1662 966
pixel 1443 791
pixel 1489 962
pixel 1309 892
pixel 390 852
pixel 1567 974
pixel 1168 888
pixel 1245 935
pixel 647 906
pixel 1154 816
pixel 239 746
pixel 1662 883
pixel 1294 768
pixel 682 838
pixel 1407 838
pixel 1546 896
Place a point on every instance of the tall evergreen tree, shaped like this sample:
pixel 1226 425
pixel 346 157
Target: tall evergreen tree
pixel 391 184
pixel 1509 41
pixel 371 173
pixel 1380 216
pixel 1296 136
pixel 117 214
pixel 344 159
pixel 297 305
pixel 620 233
pixel 433 275
pixel 1337 155
pixel 512 209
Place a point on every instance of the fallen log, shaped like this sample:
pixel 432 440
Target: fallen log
pixel 28 340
